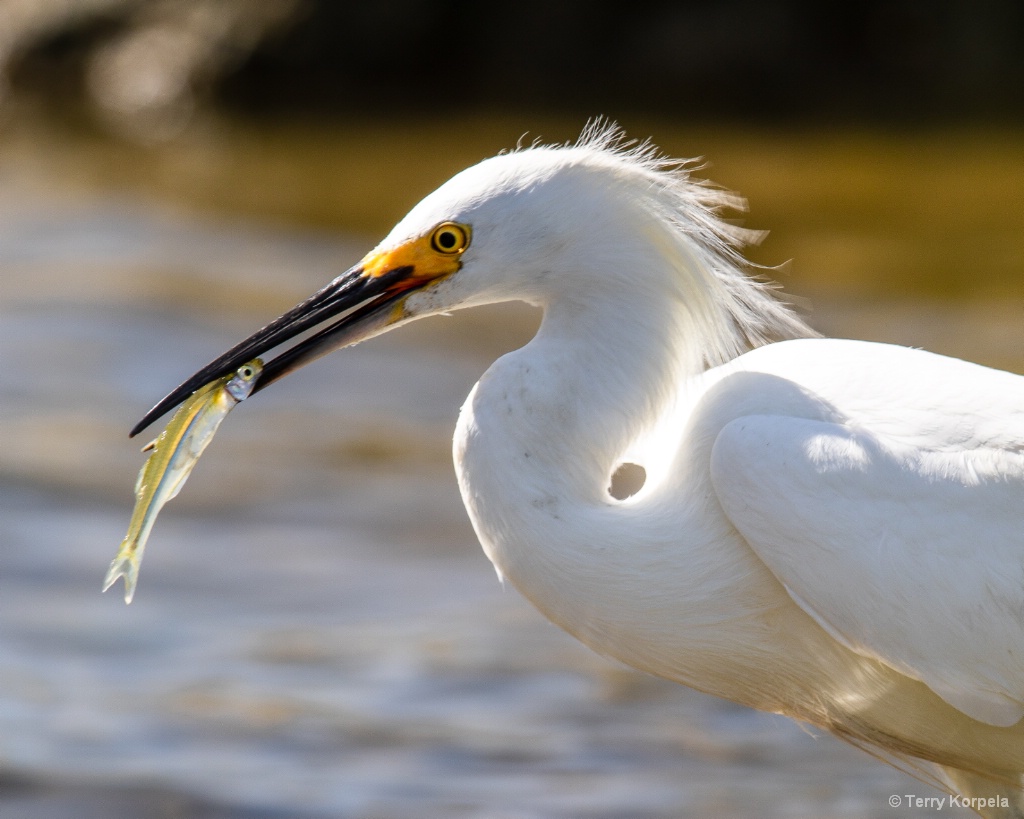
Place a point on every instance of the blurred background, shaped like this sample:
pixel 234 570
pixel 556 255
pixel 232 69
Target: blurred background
pixel 316 632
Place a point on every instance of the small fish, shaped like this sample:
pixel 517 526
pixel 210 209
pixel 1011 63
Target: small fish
pixel 173 454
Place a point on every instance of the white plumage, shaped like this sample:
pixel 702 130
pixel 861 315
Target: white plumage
pixel 829 529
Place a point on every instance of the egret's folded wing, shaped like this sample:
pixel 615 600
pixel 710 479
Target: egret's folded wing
pixel 909 556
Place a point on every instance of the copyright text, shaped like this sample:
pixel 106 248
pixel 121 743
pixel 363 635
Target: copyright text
pixel 910 800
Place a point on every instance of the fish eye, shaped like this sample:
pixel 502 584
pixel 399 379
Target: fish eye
pixel 246 372
pixel 450 238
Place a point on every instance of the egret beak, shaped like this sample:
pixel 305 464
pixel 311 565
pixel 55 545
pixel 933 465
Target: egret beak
pixel 364 300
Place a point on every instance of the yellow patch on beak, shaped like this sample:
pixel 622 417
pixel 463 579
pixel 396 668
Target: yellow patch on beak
pixel 425 259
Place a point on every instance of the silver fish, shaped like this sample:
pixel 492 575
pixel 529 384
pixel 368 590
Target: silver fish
pixel 172 456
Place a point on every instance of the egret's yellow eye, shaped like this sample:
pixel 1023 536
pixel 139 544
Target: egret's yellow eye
pixel 450 238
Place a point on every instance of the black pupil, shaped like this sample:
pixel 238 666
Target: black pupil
pixel 447 239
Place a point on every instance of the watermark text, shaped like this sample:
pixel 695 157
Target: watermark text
pixel 912 800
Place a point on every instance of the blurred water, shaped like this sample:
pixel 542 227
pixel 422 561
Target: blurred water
pixel 316 632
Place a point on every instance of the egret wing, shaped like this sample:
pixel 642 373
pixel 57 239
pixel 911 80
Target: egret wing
pixel 909 555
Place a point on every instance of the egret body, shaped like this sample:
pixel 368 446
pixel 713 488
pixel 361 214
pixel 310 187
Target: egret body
pixel 828 529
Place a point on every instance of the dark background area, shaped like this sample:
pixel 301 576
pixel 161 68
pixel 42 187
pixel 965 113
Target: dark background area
pixel 734 58
pixel 151 65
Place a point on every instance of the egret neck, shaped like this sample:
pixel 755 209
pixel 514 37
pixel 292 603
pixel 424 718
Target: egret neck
pixel 539 437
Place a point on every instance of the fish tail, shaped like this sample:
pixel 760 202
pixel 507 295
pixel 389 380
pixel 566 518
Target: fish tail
pixel 125 565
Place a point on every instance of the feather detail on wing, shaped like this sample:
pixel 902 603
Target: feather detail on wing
pixel 909 556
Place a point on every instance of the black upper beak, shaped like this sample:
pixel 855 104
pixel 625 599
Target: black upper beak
pixel 353 295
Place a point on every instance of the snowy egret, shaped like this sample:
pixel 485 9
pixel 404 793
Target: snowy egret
pixel 828 529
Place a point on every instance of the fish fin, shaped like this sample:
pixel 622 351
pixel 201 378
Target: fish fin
pixel 125 565
pixel 150 446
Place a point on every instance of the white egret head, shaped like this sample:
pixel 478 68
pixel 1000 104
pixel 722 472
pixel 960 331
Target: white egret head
pixel 601 224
